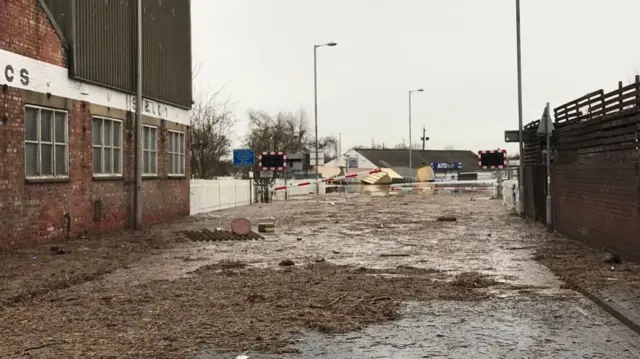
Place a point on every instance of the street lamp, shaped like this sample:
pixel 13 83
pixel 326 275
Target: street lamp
pixel 521 143
pixel 410 159
pixel 315 95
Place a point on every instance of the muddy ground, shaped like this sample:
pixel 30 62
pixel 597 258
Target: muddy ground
pixel 355 265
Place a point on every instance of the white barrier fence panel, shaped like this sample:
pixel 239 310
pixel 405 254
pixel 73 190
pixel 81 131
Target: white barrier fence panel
pixel 214 195
pixel 510 194
pixel 294 190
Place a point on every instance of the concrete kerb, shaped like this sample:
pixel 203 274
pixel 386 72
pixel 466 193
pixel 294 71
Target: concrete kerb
pixel 628 319
pixel 631 321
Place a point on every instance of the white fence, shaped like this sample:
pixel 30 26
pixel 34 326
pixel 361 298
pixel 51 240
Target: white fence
pixel 213 195
pixel 294 190
pixel 510 194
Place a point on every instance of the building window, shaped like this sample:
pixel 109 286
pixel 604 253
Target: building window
pixel 176 153
pixel 46 142
pixel 107 146
pixel 150 150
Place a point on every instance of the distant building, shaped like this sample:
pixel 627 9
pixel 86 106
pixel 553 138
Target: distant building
pixel 67 115
pixel 398 160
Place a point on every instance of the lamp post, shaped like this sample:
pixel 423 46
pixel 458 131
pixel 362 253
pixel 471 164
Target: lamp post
pixel 521 143
pixel 139 140
pixel 315 103
pixel 410 158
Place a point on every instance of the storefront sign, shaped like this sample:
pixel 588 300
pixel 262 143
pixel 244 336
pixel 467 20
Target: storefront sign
pixel 12 74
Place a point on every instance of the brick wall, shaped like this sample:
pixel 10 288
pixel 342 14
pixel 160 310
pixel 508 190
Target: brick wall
pixel 596 199
pixel 26 30
pixel 33 211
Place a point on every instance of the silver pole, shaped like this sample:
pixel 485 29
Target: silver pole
pixel 315 111
pixel 410 157
pixel 521 142
pixel 138 146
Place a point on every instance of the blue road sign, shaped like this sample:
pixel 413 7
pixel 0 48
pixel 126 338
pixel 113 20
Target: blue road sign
pixel 446 165
pixel 244 157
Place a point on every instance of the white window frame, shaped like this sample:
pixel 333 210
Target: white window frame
pixel 178 154
pixel 53 142
pixel 146 148
pixel 102 146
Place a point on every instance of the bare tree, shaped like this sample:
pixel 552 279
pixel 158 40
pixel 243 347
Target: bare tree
pixel 285 132
pixel 212 120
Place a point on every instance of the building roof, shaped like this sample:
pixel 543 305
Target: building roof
pixel 395 158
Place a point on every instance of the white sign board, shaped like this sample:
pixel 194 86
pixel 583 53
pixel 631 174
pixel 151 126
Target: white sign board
pixel 266 174
pixel 312 160
pixel 29 74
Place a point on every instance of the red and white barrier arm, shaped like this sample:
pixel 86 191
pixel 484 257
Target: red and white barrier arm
pixel 327 180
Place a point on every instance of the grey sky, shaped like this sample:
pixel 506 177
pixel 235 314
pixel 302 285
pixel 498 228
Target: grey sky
pixel 462 52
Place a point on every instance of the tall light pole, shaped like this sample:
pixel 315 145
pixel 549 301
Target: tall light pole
pixel 521 142
pixel 138 147
pixel 315 103
pixel 410 151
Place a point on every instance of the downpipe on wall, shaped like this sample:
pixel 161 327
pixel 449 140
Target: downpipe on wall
pixel 138 146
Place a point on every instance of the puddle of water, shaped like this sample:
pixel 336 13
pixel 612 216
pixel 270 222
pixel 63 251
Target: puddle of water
pixel 507 328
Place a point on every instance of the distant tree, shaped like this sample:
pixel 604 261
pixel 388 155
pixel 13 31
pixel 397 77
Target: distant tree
pixel 286 132
pixel 212 120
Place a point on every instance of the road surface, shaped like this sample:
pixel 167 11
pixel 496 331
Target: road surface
pixel 358 276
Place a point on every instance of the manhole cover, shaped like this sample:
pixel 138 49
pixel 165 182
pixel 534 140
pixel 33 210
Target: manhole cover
pixel 220 235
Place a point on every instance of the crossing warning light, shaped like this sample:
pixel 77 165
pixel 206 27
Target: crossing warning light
pixel 272 161
pixel 492 159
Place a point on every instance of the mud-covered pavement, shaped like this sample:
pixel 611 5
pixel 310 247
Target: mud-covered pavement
pixel 374 276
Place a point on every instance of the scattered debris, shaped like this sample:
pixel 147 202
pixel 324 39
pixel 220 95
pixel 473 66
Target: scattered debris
pixel 447 219
pixel 220 235
pixel 241 226
pixel 58 250
pixel 266 227
pixel 229 264
pixel 320 260
pixel 328 305
pixel 298 239
pixel 225 265
pixel 473 280
pixel 612 258
pixel 394 255
pixel 286 263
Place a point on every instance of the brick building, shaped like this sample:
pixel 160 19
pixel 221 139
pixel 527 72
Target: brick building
pixel 67 116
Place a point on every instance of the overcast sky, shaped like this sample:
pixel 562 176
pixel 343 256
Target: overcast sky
pixel 462 52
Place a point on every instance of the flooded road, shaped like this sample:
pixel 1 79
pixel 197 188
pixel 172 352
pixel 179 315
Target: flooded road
pixel 359 275
pixel 541 321
pixel 510 328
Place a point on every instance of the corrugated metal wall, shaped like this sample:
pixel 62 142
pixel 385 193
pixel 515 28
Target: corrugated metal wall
pixel 167 50
pixel 103 45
